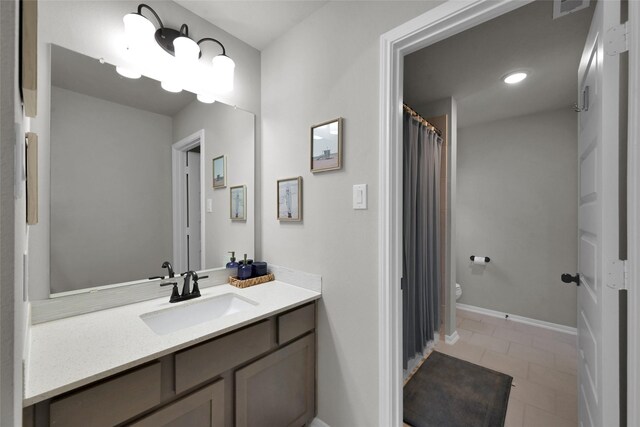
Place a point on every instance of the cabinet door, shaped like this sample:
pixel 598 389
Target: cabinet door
pixel 279 389
pixel 202 408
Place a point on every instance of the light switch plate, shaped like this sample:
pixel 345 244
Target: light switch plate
pixel 360 196
pixel 209 205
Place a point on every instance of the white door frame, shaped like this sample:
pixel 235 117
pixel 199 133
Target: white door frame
pixel 633 218
pixel 178 184
pixel 437 24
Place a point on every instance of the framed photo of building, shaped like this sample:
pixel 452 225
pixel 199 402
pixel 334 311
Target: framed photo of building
pixel 290 199
pixel 238 203
pixel 220 172
pixel 326 146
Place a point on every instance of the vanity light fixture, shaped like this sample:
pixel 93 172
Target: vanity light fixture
pixel 182 65
pixel 513 78
pixel 206 99
pixel 128 72
pixel 171 86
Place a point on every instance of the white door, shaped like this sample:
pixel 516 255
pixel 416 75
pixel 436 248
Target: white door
pixel 598 265
pixel 193 210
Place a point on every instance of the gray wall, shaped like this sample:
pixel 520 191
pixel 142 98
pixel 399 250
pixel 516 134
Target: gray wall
pixel 517 204
pixel 110 191
pixel 325 67
pixel 89 28
pixel 12 226
pixel 227 131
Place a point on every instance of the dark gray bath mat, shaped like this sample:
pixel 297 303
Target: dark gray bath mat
pixel 449 392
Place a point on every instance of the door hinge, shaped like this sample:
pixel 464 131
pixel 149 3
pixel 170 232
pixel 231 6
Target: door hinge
pixel 615 39
pixel 585 101
pixel 187 170
pixel 617 275
pixel 625 274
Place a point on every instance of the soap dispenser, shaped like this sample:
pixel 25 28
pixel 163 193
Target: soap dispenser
pixel 232 265
pixel 244 270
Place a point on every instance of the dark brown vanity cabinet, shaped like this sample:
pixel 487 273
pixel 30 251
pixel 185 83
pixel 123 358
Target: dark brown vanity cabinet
pixel 202 408
pixel 278 389
pixel 263 374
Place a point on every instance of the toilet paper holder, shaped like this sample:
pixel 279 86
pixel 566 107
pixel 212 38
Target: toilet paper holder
pixel 486 259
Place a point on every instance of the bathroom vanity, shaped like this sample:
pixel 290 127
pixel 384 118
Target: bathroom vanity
pixel 255 367
pixel 102 346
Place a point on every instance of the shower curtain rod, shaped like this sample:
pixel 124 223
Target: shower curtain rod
pixel 421 119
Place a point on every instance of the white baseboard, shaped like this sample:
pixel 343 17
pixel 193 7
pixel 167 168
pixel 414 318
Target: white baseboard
pixel 519 319
pixel 317 422
pixel 452 339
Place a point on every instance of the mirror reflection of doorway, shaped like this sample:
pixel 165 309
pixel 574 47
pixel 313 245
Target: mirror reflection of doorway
pixel 192 203
pixel 187 203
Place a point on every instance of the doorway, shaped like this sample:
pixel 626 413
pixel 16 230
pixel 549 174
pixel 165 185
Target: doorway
pixel 188 203
pixel 192 203
pixel 436 25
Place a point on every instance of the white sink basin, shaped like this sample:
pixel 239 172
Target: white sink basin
pixel 190 313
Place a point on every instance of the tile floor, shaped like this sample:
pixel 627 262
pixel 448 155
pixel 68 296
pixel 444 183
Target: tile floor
pixel 542 362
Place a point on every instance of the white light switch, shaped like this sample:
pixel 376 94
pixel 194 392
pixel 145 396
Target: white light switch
pixel 360 196
pixel 209 205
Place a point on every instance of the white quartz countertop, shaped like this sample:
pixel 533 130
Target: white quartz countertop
pixel 68 353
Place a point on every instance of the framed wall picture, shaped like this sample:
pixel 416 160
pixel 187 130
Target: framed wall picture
pixel 238 203
pixel 220 172
pixel 326 146
pixel 29 56
pixel 290 199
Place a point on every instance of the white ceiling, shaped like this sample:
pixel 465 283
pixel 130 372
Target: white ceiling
pixel 82 74
pixel 257 23
pixel 469 65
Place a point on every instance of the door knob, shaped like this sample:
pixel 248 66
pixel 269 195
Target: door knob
pixel 567 278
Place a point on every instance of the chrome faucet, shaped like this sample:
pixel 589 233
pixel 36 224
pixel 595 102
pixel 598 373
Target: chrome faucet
pixel 186 293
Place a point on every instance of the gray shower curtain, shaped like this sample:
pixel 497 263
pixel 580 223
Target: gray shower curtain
pixel 421 236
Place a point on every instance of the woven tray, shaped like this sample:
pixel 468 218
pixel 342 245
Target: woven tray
pixel 251 282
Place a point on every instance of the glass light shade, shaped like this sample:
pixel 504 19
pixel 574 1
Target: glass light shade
pixel 128 72
pixel 186 50
pixel 514 78
pixel 171 86
pixel 223 69
pixel 138 29
pixel 206 99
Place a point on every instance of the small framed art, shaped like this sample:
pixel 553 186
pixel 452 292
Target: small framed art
pixel 220 172
pixel 238 203
pixel 290 199
pixel 326 146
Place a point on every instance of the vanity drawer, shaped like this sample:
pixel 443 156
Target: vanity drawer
pixel 110 402
pixel 296 322
pixel 206 361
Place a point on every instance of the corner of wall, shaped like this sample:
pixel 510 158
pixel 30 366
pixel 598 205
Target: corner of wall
pixel 12 223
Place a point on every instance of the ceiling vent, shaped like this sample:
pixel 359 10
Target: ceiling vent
pixel 565 7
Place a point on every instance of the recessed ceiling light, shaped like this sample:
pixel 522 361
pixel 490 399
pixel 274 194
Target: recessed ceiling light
pixel 513 78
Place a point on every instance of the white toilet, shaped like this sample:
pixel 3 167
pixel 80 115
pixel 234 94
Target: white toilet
pixel 458 291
